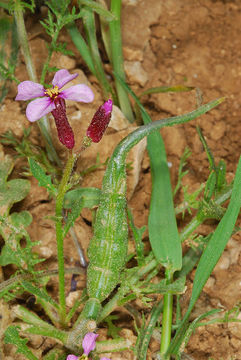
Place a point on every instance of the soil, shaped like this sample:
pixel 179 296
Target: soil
pixel 194 43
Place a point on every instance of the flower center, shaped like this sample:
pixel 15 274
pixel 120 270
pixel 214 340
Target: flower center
pixel 52 93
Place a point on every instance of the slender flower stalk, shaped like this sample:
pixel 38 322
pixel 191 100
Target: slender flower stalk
pixel 59 233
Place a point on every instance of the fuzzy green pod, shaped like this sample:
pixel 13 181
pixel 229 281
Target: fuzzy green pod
pixel 108 247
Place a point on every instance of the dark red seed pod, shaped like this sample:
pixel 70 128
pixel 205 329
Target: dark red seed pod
pixel 100 122
pixel 65 132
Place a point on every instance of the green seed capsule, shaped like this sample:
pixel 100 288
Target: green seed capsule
pixel 108 247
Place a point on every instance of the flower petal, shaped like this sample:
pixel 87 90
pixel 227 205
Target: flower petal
pixel 103 358
pixel 38 108
pixel 29 90
pixel 89 342
pixel 80 92
pixel 72 357
pixel 62 77
pixel 65 132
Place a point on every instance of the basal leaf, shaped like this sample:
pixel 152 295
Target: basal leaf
pixel 12 337
pixel 23 218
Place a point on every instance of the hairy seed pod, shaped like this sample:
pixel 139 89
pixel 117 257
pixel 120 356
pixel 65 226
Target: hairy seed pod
pixel 108 247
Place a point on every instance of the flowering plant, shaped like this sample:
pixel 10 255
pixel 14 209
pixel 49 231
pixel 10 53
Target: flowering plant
pixel 53 100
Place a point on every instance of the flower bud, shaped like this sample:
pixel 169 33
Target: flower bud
pixel 100 122
pixel 65 132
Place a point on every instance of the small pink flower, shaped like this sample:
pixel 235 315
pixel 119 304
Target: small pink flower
pixel 53 100
pixel 100 122
pixel 88 344
pixel 72 357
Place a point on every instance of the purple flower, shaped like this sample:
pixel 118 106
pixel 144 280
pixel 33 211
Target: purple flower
pixel 89 342
pixel 53 100
pixel 72 357
pixel 100 122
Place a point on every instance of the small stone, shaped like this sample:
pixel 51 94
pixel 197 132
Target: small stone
pixel 218 130
pixel 132 54
pixel 235 328
pixel 72 297
pixel 118 120
pixel 135 72
pixel 63 61
pixel 174 138
pixel 210 282
pixel 45 252
pixel 224 262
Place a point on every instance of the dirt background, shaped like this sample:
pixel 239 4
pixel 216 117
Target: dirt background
pixel 170 42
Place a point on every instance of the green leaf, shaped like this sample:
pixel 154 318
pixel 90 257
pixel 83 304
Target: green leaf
pixel 165 89
pixel 39 293
pixel 137 234
pixel 5 5
pixel 89 196
pixel 6 167
pixel 14 191
pixel 43 179
pixel 23 218
pixel 211 255
pixel 9 256
pixel 221 175
pixel 12 337
pixel 76 208
pixel 99 9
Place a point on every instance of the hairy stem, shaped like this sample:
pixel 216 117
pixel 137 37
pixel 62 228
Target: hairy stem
pixel 63 187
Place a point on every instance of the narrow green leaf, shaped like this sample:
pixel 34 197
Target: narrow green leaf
pixel 81 46
pixel 99 9
pixel 43 179
pixel 211 255
pixel 12 337
pixel 39 293
pixel 165 89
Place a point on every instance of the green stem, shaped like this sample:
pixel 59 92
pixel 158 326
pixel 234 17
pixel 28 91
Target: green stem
pixel 167 318
pixel 117 59
pixel 23 40
pixel 63 187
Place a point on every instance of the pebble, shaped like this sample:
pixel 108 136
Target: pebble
pixel 218 130
pixel 135 72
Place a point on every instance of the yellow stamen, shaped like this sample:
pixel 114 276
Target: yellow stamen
pixel 52 92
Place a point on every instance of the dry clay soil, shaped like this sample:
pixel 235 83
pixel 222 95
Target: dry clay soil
pixel 170 42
